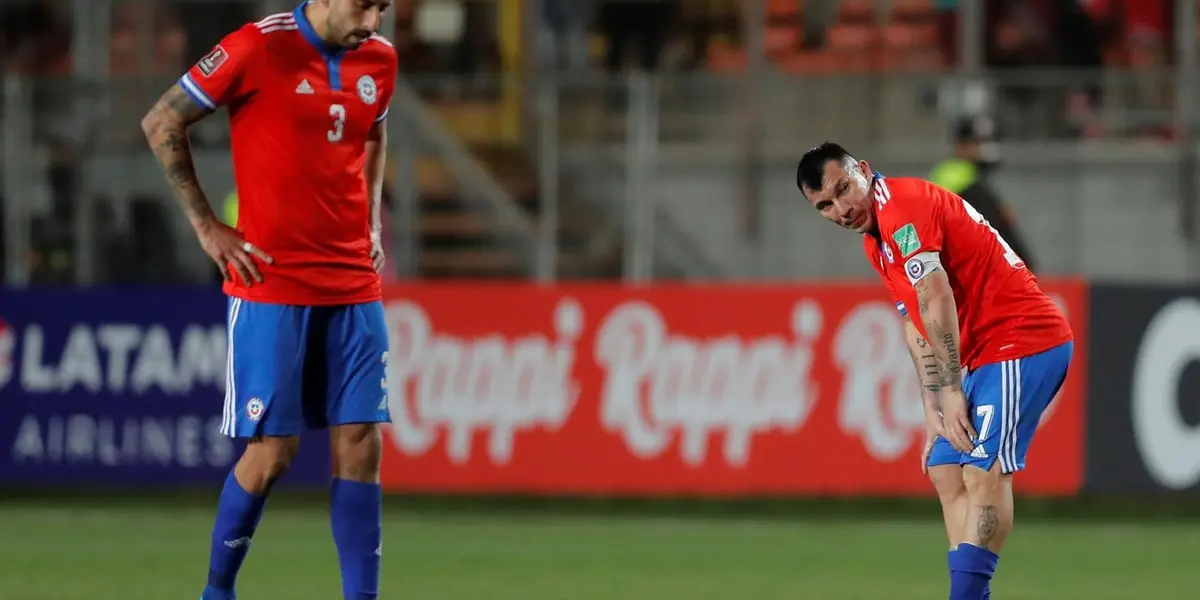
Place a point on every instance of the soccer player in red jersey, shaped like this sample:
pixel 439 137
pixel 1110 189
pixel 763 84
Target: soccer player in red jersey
pixel 991 349
pixel 307 94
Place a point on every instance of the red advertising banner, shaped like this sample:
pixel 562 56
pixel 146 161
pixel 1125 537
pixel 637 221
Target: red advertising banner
pixel 674 389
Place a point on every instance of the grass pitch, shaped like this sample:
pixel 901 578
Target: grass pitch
pixel 158 551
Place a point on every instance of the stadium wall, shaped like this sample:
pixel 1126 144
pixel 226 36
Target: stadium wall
pixel 695 390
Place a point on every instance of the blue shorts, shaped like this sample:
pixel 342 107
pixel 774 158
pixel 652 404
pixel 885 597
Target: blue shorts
pixel 1007 400
pixel 295 368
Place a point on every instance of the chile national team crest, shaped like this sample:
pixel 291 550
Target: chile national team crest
pixel 254 409
pixel 915 268
pixel 366 89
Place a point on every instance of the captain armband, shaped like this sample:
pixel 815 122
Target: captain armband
pixel 921 265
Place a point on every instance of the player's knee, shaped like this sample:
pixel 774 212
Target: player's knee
pixel 948 482
pixel 357 451
pixel 988 483
pixel 264 460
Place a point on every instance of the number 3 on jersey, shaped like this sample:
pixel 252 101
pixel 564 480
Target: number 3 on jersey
pixel 1010 255
pixel 337 112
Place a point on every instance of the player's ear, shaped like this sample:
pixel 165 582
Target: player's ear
pixel 866 168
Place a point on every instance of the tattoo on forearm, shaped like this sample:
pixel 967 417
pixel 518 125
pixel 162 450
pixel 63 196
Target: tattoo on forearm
pixel 946 360
pixel 165 127
pixel 931 374
pixel 988 525
pixel 946 355
pixel 927 369
pixel 952 370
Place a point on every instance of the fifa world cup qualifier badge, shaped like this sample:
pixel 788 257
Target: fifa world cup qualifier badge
pixel 213 61
pixel 906 240
pixel 366 89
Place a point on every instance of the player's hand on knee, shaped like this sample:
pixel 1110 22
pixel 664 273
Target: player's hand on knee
pixel 956 422
pixel 226 247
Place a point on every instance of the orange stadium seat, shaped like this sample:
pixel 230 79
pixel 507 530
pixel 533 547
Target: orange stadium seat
pixel 855 42
pixel 782 9
pixel 781 39
pixel 851 38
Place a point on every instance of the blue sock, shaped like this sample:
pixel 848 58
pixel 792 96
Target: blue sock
pixel 238 513
pixel 356 515
pixel 971 570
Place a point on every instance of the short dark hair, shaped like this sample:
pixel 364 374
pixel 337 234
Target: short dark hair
pixel 810 173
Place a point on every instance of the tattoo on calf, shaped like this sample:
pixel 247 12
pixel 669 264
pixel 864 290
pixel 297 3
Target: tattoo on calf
pixel 988 525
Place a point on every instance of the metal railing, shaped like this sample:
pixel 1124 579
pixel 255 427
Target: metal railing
pixel 666 172
pixel 678 174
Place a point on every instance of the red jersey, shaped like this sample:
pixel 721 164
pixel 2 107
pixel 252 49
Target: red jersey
pixel 1002 314
pixel 300 112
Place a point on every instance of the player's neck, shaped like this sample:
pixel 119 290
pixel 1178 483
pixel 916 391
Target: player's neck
pixel 318 18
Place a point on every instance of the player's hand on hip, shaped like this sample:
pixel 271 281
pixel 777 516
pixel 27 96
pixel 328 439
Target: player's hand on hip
pixel 378 258
pixel 226 247
pixel 956 421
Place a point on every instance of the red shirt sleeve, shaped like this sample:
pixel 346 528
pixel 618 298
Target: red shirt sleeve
pixel 388 85
pixel 915 224
pixel 222 76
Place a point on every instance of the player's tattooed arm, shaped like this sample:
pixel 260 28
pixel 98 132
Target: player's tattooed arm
pixel 926 363
pixel 940 317
pixel 166 128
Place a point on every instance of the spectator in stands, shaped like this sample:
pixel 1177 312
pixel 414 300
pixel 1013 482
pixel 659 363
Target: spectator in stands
pixel 1018 39
pixel 1080 46
pixel 816 17
pixel 968 172
pixel 1142 29
pixel 642 24
pixel 565 33
pixel 946 15
pixel 705 19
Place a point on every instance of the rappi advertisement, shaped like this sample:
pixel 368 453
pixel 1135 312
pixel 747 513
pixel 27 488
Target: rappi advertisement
pixel 119 387
pixel 694 390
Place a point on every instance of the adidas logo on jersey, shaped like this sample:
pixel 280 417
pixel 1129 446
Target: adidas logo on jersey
pixel 978 452
pixel 304 88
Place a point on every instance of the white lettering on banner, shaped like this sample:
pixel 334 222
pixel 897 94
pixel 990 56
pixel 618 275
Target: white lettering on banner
pixel 658 385
pixel 486 384
pixel 881 398
pixel 122 358
pixel 80 439
pixel 1170 447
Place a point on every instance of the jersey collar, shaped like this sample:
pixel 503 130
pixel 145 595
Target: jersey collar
pixel 310 34
pixel 876 177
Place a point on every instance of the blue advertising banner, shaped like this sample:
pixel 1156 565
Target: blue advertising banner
pixel 120 387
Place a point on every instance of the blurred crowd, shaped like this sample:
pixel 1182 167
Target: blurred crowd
pixel 460 36
pixel 156 40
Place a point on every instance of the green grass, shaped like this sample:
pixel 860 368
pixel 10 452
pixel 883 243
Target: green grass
pixel 155 551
